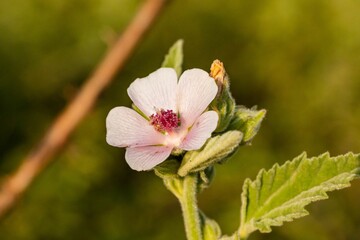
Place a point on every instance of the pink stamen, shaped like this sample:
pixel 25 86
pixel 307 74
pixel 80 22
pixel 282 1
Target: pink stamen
pixel 164 120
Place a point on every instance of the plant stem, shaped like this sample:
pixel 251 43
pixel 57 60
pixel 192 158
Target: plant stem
pixel 190 209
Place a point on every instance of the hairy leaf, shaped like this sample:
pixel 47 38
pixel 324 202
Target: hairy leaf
pixel 174 58
pixel 281 193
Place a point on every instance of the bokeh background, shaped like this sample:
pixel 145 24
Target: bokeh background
pixel 298 59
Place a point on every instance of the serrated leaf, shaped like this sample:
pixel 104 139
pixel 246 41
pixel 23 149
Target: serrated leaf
pixel 247 121
pixel 280 194
pixel 174 58
pixel 215 149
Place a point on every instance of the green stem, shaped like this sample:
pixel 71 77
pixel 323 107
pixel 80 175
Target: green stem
pixel 190 209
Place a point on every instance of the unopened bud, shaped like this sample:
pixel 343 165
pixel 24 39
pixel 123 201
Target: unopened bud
pixel 223 104
pixel 217 71
pixel 247 121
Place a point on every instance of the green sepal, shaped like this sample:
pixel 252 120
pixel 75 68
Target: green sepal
pixel 247 121
pixel 174 58
pixel 224 105
pixel 210 228
pixel 168 168
pixel 215 150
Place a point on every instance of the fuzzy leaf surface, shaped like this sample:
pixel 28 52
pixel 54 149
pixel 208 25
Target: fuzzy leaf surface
pixel 280 194
pixel 215 150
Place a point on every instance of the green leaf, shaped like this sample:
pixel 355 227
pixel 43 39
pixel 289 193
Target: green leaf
pixel 247 121
pixel 216 149
pixel 280 194
pixel 174 58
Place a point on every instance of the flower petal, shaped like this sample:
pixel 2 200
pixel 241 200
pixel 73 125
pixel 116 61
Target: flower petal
pixel 196 90
pixel 145 158
pixel 125 127
pixel 156 91
pixel 200 131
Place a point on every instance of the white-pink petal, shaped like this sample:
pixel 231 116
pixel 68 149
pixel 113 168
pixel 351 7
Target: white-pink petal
pixel 200 131
pixel 156 91
pixel 146 158
pixel 125 127
pixel 196 90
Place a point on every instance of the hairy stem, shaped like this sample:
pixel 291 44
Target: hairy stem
pixel 190 209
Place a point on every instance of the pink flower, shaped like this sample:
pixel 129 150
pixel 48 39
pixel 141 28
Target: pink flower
pixel 175 117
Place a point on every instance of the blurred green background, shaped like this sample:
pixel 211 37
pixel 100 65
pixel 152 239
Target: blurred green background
pixel 298 59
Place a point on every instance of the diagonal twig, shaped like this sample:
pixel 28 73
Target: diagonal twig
pixel 15 185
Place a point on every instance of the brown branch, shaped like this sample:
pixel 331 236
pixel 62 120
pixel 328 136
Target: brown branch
pixel 15 185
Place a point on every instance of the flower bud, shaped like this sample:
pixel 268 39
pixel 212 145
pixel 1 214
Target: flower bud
pixel 247 121
pixel 223 104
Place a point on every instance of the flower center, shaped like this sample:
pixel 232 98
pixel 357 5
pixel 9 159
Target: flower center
pixel 164 120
